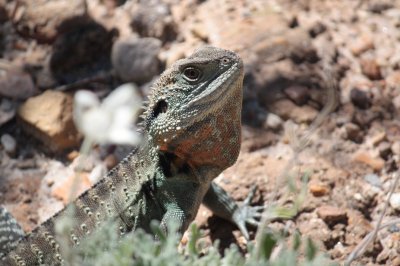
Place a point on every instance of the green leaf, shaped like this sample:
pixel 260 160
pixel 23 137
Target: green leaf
pixel 268 242
pixel 311 250
pixel 296 240
pixel 194 237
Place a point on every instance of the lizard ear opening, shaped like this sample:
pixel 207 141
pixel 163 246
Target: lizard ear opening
pixel 161 107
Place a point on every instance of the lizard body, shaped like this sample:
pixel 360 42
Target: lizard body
pixel 191 133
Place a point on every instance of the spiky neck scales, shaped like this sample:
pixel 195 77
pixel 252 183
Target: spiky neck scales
pixel 194 112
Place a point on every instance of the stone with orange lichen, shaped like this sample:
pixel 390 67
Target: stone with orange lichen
pixel 318 190
pixel 375 163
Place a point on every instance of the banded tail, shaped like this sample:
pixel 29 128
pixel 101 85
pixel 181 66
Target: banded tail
pixel 10 232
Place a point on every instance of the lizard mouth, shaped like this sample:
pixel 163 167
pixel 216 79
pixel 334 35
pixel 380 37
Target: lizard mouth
pixel 216 89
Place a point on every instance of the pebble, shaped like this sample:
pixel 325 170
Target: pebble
pixel 9 144
pixel 273 121
pixel 378 138
pixel 375 163
pixel 373 179
pixel 362 44
pixel 396 147
pixel 286 109
pixel 371 69
pixel 395 201
pixel 316 29
pixel 360 98
pixel 353 132
pixel 7 111
pixel 318 190
pixel 110 161
pixel 298 94
pixel 16 84
pixel 332 215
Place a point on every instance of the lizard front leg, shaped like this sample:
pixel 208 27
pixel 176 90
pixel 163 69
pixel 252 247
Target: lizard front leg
pixel 224 206
pixel 175 215
pixel 180 200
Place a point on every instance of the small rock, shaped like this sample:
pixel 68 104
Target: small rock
pixel 286 109
pixel 371 69
pixel 273 122
pixel 48 117
pixel 395 201
pixel 353 132
pixel 384 149
pixel 7 111
pixel 298 94
pixel 318 190
pixel 378 138
pixel 200 32
pixel 396 147
pixel 373 179
pixel 360 98
pixel 316 29
pixel 16 84
pixel 332 215
pixel 9 144
pixel 375 163
pixel 378 6
pixel 64 191
pixel 110 161
pixel 72 155
pixel 362 44
pixel 154 19
pixel 136 60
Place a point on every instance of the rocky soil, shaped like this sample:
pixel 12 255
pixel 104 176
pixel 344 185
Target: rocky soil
pixel 295 52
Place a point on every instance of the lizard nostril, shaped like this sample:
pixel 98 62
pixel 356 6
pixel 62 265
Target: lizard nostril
pixel 161 107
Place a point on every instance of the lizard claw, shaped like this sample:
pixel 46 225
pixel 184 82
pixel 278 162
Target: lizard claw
pixel 247 214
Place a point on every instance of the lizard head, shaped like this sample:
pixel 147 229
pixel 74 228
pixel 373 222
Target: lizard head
pixel 195 106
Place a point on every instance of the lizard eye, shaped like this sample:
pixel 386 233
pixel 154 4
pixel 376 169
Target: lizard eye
pixel 191 74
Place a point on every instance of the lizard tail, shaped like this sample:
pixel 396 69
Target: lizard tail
pixel 10 232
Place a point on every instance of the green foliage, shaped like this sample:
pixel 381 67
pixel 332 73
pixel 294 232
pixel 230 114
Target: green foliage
pixel 107 248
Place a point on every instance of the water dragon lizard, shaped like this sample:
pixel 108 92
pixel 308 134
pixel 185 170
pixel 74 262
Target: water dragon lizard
pixel 191 133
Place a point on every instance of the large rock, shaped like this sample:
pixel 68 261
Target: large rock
pixel 16 84
pixel 82 49
pixel 40 19
pixel 48 117
pixel 136 60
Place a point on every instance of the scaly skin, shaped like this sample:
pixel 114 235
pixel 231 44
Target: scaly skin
pixel 191 134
